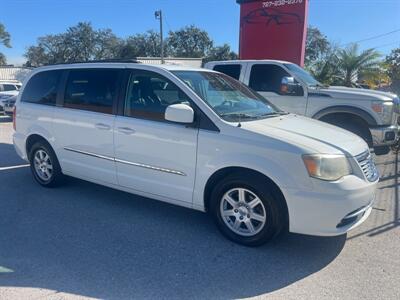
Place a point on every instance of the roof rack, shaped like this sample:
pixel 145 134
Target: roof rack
pixel 111 60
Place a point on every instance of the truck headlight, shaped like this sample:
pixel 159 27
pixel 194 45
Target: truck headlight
pixel 329 167
pixel 384 109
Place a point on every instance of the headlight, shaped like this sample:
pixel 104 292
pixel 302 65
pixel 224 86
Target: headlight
pixel 385 109
pixel 326 166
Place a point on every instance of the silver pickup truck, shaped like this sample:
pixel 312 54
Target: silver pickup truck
pixel 373 115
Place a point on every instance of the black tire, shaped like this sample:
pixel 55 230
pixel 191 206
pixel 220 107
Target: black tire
pixel 275 211
pixel 359 130
pixel 56 177
pixel 356 126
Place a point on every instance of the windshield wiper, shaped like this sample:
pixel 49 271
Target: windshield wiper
pixel 274 114
pixel 238 115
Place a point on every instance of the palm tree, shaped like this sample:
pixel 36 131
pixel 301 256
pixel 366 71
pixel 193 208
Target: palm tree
pixel 351 64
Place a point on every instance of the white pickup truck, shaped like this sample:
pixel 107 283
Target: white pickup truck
pixel 370 114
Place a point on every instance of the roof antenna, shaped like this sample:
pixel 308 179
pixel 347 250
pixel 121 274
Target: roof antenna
pixel 240 121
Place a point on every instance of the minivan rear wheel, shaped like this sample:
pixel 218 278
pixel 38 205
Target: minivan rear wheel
pixel 246 210
pixel 44 165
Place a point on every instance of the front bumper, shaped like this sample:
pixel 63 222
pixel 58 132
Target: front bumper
pixel 384 135
pixel 332 208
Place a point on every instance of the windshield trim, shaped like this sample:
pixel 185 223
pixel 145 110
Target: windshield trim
pixel 302 74
pixel 258 97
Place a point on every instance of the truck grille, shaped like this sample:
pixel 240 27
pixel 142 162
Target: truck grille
pixel 367 165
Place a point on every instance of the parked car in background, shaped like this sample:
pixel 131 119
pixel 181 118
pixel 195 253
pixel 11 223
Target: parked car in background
pixel 9 89
pixel 8 105
pixel 372 115
pixel 195 138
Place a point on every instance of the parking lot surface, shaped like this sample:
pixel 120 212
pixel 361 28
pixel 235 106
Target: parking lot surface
pixel 83 240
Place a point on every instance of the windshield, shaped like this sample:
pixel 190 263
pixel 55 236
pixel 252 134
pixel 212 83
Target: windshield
pixel 230 99
pixel 303 75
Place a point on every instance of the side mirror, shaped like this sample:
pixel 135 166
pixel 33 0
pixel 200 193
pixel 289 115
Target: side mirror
pixel 289 86
pixel 179 113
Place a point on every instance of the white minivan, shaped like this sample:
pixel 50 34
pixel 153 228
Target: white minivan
pixel 195 138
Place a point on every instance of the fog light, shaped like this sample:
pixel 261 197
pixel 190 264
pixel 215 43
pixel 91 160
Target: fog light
pixel 390 136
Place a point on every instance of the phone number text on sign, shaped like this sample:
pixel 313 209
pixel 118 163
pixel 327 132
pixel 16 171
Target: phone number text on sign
pixel 276 3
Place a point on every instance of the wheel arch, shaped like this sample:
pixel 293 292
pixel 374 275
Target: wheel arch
pixel 218 175
pixel 343 109
pixel 34 138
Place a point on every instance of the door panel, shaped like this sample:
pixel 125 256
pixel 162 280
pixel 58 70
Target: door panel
pixel 85 143
pixel 156 157
pixel 153 155
pixel 84 124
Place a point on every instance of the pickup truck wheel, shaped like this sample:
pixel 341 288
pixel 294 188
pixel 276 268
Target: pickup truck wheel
pixel 246 211
pixel 44 165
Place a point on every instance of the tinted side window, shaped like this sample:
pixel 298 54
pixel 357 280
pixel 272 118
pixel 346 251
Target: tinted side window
pixel 42 88
pixel 230 70
pixel 91 89
pixel 148 95
pixel 267 78
pixel 9 87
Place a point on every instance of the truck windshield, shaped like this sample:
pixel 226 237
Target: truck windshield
pixel 230 99
pixel 303 75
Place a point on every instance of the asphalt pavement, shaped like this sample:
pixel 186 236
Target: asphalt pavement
pixel 83 240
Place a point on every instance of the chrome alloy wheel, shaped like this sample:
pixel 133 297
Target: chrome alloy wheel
pixel 43 165
pixel 243 212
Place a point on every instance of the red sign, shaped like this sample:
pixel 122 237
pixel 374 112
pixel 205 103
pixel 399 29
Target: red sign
pixel 273 29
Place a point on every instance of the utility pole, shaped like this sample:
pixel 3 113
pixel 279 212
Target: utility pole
pixel 158 15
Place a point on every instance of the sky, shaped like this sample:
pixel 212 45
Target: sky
pixel 342 21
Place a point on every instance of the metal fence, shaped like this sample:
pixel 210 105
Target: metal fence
pixel 14 73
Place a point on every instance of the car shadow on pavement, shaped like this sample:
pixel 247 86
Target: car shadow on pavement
pixel 93 241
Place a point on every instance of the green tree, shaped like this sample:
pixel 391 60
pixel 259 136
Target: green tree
pixel 189 41
pixel 352 63
pixel 78 43
pixel 5 39
pixel 320 56
pixel 147 44
pixel 317 45
pixel 223 52
pixel 393 69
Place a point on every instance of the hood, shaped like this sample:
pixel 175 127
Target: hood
pixel 353 93
pixel 312 135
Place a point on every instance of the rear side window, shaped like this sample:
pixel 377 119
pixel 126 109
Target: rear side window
pixel 9 87
pixel 42 88
pixel 267 78
pixel 91 89
pixel 230 70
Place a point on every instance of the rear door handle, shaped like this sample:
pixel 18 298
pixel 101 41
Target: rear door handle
pixel 102 126
pixel 126 130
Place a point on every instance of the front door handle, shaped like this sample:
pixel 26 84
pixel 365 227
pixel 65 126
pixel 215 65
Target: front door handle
pixel 126 130
pixel 102 126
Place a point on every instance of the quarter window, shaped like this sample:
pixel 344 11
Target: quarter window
pixel 42 88
pixel 148 95
pixel 91 89
pixel 230 70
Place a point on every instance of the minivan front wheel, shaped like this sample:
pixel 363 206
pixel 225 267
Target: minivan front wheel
pixel 44 165
pixel 246 210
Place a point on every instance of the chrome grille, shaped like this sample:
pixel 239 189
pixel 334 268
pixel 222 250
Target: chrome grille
pixel 367 165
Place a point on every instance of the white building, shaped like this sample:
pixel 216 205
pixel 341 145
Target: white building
pixel 180 61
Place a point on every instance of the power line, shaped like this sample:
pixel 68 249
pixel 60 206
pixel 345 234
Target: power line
pixel 374 37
